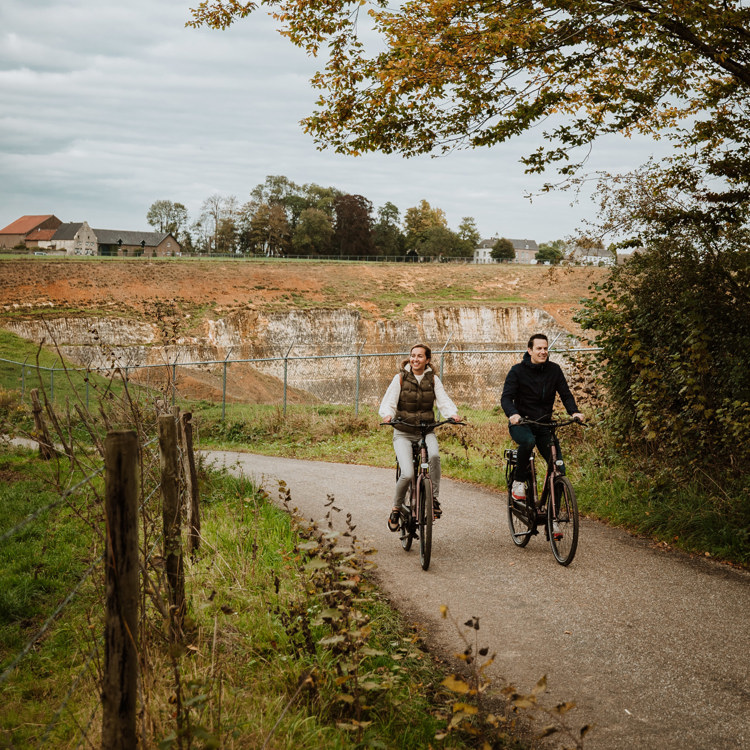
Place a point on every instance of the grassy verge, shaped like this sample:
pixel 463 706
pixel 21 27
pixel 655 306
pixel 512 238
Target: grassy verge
pixel 287 644
pixel 41 564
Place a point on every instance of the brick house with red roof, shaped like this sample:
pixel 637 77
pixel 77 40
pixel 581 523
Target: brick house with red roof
pixel 30 231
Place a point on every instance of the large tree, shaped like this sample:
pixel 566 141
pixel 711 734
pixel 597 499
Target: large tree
pixel 387 236
pixel 418 219
pixel 313 233
pixel 453 73
pixel 353 225
pixel 503 250
pixel 268 230
pixel 218 218
pixel 167 216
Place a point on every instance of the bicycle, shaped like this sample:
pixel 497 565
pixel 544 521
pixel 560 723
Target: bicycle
pixel 557 509
pixel 417 513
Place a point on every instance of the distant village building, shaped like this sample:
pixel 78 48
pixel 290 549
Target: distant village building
pixel 526 251
pixel 30 232
pixel 592 256
pixel 75 239
pixel 78 238
pixel 134 244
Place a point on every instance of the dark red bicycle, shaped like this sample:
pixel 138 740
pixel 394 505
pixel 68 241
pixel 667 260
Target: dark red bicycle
pixel 417 512
pixel 555 507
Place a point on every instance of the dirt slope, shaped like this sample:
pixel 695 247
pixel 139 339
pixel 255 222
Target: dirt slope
pixel 135 286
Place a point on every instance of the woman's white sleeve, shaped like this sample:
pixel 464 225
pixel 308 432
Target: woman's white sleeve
pixel 389 404
pixel 445 406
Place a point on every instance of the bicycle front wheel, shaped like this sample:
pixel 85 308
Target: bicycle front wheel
pixel 424 489
pixel 406 527
pixel 563 530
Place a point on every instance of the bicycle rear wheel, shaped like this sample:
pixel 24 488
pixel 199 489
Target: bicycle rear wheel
pixel 521 528
pixel 406 526
pixel 425 521
pixel 564 540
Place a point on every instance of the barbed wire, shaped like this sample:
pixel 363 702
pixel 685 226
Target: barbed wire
pixel 53 722
pixel 29 645
pixel 54 504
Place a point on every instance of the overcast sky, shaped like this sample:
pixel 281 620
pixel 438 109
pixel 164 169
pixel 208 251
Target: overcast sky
pixel 107 106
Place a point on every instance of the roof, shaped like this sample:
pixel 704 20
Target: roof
pixel 111 237
pixel 517 244
pixel 26 224
pixel 41 234
pixel 67 231
pixel 525 244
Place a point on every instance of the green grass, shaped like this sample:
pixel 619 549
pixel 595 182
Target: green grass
pixel 692 513
pixel 32 366
pixel 287 641
pixel 39 566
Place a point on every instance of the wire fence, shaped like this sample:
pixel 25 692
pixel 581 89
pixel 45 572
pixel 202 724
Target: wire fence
pixel 64 545
pixel 473 378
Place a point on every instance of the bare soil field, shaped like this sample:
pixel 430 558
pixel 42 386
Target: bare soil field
pixel 135 286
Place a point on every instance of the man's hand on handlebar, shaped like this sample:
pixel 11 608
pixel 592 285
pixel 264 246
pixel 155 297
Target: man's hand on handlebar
pixel 515 419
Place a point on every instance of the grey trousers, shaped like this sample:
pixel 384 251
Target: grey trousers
pixel 402 446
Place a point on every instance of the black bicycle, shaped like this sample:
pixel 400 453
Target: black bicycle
pixel 556 508
pixel 417 512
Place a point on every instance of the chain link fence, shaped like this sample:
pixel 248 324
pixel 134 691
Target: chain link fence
pixel 472 378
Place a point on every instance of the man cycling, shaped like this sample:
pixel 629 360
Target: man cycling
pixel 529 392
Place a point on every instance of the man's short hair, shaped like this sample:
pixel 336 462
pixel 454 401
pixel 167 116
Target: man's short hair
pixel 536 336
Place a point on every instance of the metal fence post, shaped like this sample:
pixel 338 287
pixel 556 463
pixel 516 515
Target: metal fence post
pixel 23 378
pixel 356 390
pixel 286 367
pixel 52 382
pixel 174 381
pixel 224 387
pixel 442 356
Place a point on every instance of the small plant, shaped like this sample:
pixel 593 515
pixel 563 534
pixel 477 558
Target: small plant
pixel 475 716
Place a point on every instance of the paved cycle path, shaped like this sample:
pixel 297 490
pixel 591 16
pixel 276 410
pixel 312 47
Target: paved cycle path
pixel 652 645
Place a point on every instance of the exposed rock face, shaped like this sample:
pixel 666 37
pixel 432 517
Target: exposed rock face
pixel 305 333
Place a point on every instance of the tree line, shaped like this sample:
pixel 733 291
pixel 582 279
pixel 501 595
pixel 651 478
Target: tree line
pixel 283 219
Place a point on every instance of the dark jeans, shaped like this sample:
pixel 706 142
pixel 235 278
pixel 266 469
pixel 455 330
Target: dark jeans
pixel 527 436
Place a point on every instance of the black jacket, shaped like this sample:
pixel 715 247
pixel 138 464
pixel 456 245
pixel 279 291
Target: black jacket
pixel 530 389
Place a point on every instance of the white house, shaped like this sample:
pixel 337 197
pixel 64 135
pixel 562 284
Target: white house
pixel 526 251
pixel 75 239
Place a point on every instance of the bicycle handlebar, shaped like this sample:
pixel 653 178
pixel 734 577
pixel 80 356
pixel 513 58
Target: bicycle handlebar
pixel 553 422
pixel 422 425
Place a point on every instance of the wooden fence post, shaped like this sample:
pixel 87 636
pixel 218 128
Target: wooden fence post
pixel 191 482
pixel 172 518
pixel 40 427
pixel 120 682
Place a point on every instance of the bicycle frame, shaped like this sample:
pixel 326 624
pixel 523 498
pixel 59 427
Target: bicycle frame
pixel 420 506
pixel 525 516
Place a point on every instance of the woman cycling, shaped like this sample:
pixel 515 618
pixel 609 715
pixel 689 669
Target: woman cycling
pixel 411 397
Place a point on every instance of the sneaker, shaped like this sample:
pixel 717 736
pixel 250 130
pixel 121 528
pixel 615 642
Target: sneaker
pixel 557 532
pixel 394 519
pixel 437 511
pixel 518 491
